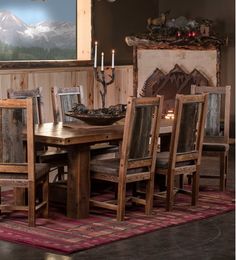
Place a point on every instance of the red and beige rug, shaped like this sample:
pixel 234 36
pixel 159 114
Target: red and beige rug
pixel 65 235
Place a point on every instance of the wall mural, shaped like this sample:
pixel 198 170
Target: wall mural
pixel 37 30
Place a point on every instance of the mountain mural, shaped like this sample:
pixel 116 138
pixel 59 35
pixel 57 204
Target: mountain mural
pixel 47 35
pixel 15 32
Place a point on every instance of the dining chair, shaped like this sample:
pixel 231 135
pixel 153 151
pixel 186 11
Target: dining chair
pixel 184 155
pixel 63 100
pixel 17 166
pixel 216 139
pixel 25 93
pixel 137 158
pixel 55 157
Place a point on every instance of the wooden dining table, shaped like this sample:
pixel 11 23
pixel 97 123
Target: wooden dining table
pixel 76 139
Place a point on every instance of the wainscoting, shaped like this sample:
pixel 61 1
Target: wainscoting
pixel 67 77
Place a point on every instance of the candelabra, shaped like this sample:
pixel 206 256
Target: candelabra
pixel 101 77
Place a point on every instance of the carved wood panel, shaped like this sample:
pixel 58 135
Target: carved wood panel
pixel 177 81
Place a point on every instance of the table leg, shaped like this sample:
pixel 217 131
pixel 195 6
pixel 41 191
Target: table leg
pixel 78 183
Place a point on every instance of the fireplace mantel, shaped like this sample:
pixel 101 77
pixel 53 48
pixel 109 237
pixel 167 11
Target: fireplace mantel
pixel 203 43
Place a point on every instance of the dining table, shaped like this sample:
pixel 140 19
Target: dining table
pixel 76 139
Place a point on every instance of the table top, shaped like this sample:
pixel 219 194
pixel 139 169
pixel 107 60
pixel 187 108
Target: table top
pixel 77 133
pixel 59 134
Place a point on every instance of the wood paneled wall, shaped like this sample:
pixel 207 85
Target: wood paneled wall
pixel 67 77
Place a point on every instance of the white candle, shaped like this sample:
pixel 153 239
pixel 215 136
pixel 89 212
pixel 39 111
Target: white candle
pixel 95 54
pixel 102 61
pixel 113 59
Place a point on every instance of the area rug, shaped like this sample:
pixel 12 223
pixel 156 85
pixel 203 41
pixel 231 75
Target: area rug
pixel 65 235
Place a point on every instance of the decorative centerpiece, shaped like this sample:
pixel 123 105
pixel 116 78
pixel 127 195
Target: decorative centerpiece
pixel 101 116
pixel 100 75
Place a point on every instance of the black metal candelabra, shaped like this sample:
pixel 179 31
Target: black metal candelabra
pixel 101 76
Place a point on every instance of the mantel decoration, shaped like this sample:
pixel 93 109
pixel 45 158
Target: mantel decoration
pixel 178 32
pixel 101 116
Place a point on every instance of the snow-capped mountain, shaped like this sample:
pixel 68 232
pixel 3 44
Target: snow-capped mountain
pixel 11 22
pixel 15 32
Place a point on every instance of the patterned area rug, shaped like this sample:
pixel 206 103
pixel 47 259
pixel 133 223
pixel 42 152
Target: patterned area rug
pixel 65 235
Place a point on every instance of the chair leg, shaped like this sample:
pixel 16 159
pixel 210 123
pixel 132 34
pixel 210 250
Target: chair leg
pixel 223 170
pixel 31 205
pixel 170 189
pixel 195 187
pixel 45 197
pixel 149 196
pixel 121 201
pixel 226 167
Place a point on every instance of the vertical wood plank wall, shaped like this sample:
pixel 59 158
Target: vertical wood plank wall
pixel 68 77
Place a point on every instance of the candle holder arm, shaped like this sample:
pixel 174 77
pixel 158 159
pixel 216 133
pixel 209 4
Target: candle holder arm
pixel 100 77
pixel 112 76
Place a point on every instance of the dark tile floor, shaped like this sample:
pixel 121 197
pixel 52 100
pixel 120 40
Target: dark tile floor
pixel 208 239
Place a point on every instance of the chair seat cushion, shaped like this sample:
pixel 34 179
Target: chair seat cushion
pixel 214 147
pixel 163 161
pixel 111 166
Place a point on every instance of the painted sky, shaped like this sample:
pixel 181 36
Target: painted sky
pixel 34 11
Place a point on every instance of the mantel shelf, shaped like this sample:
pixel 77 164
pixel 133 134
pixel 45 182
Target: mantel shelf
pixel 146 41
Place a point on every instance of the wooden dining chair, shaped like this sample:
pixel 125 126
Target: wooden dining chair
pixel 137 158
pixel 25 93
pixel 63 100
pixel 17 166
pixel 55 157
pixel 216 139
pixel 184 155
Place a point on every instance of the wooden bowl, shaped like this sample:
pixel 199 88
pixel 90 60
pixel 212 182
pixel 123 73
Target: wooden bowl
pixel 96 119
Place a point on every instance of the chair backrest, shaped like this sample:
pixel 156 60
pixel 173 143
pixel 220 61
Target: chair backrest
pixel 218 116
pixel 63 99
pixel 37 100
pixel 141 130
pixel 17 125
pixel 188 129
